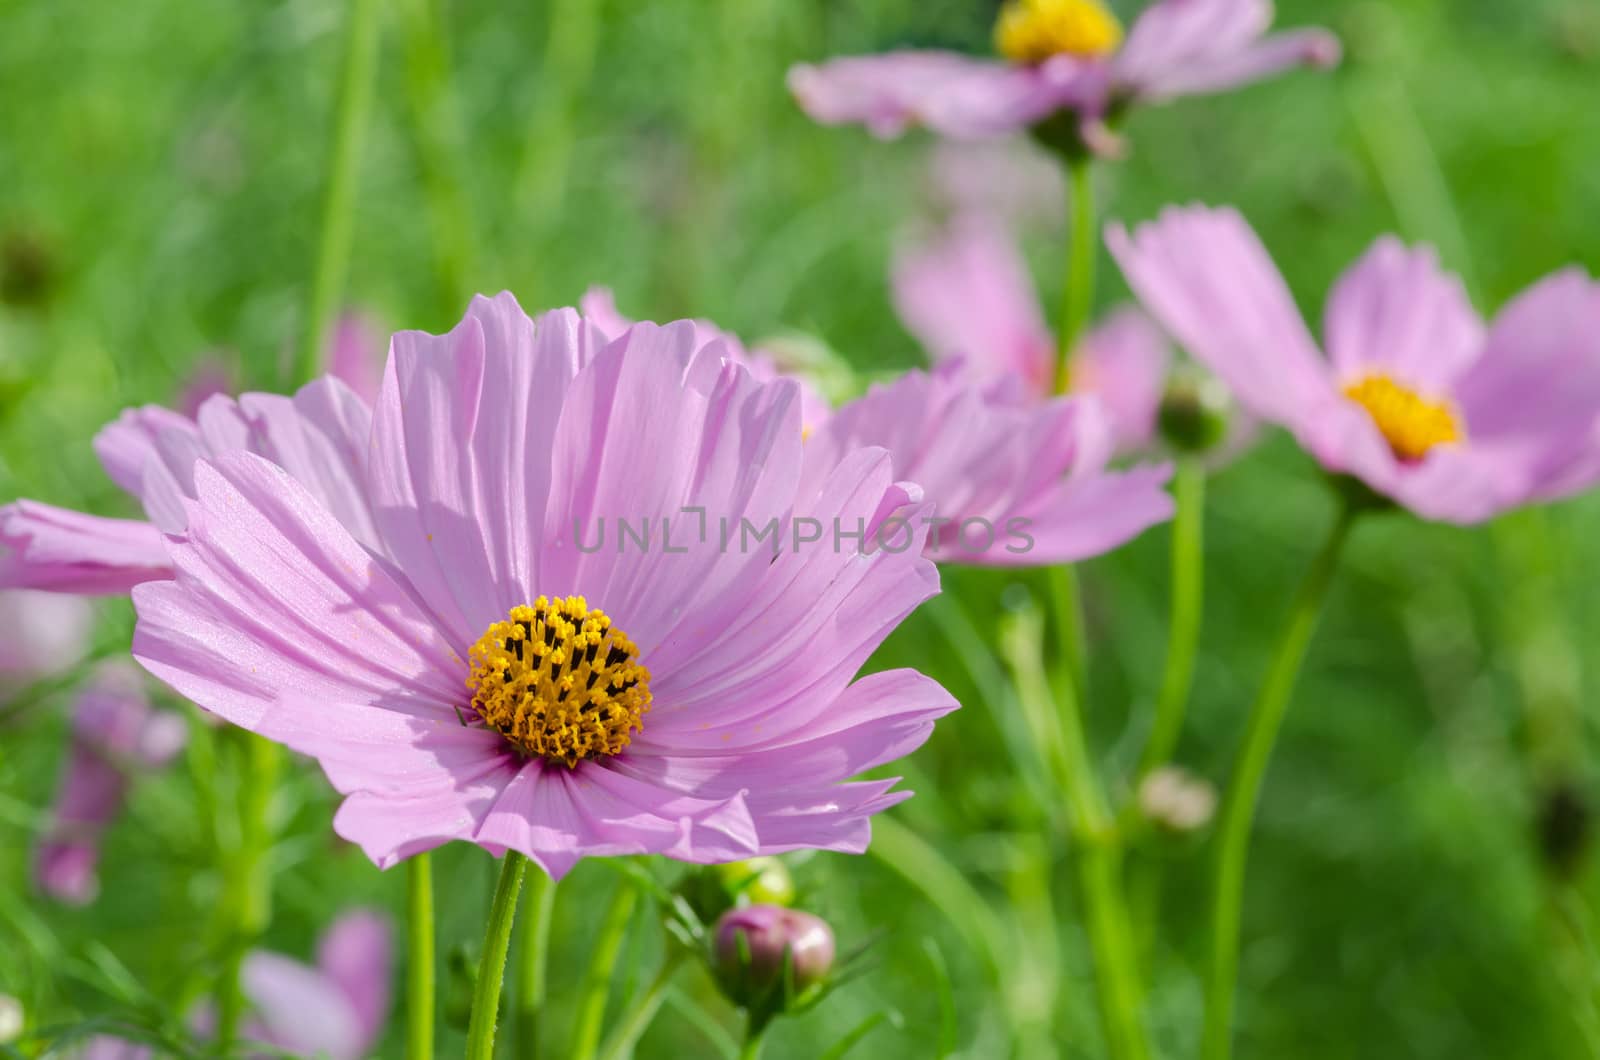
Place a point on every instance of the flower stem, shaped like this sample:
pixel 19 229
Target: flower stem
pixel 637 1021
pixel 1098 854
pixel 1183 635
pixel 492 965
pixel 753 1035
pixel 249 876
pixel 1067 603
pixel 531 963
pixel 1077 301
pixel 1077 293
pixel 602 965
pixel 349 130
pixel 1244 788
pixel 419 957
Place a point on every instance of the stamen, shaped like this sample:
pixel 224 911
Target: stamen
pixel 559 682
pixel 1409 422
pixel 1031 31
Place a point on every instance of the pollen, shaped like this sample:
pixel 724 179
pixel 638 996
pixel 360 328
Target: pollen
pixel 1031 31
pixel 1409 422
pixel 559 682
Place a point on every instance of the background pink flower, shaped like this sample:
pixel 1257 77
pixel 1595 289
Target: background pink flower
pixel 1416 398
pixel 115 734
pixel 1174 48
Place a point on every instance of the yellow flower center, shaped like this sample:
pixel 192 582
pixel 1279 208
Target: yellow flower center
pixel 558 681
pixel 1031 31
pixel 1409 422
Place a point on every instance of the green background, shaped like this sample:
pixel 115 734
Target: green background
pixel 161 170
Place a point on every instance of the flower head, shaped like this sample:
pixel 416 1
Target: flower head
pixel 480 670
pixel 115 734
pixel 1415 398
pixel 1061 55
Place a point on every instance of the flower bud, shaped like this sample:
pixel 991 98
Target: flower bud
pixel 753 945
pixel 1176 801
pixel 1194 413
pixel 760 881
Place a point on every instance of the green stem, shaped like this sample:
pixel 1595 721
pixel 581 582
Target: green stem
pixel 250 878
pixel 531 963
pixel 1077 293
pixel 338 221
pixel 637 1021
pixel 419 957
pixel 753 1036
pixel 1183 635
pixel 492 966
pixel 602 965
pixel 1067 602
pixel 1098 858
pixel 1244 789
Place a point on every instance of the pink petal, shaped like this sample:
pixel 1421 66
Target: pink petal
pixel 1123 364
pixel 1532 401
pixel 1396 313
pixel 599 307
pixel 969 294
pixel 299 1010
pixel 764 661
pixel 1206 277
pixel 557 815
pixel 69 552
pixel 1188 47
pixel 127 444
pixel 354 355
pixel 357 954
pixel 655 429
pixel 276 606
pixel 462 467
pixel 951 94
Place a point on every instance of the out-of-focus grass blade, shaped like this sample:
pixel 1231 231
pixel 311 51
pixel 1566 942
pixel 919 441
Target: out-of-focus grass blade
pixel 860 1031
pixel 944 993
pixel 703 1021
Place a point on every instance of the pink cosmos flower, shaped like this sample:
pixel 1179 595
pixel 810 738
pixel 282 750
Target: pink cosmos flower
pixel 1416 398
pixel 115 733
pixel 1016 481
pixel 967 294
pixel 1061 55
pixel 456 678
pixel 599 307
pixel 319 435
